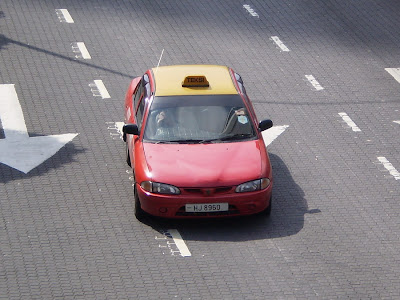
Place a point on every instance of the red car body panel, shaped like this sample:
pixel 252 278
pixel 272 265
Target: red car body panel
pixel 204 165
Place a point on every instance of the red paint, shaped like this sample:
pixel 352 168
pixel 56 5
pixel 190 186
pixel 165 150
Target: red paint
pixel 204 165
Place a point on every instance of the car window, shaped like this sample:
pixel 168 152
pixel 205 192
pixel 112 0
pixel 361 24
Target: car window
pixel 240 83
pixel 139 98
pixel 137 95
pixel 215 118
pixel 139 113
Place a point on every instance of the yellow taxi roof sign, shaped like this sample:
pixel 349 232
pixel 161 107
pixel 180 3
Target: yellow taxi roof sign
pixel 168 80
pixel 195 81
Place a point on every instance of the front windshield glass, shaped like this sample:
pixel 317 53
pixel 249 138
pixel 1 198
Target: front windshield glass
pixel 198 119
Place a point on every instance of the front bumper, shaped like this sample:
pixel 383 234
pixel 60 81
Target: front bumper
pixel 173 206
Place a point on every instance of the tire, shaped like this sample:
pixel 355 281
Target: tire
pixel 128 157
pixel 139 212
pixel 267 212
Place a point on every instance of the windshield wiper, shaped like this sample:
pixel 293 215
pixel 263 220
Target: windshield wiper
pixel 164 142
pixel 238 136
pixel 187 141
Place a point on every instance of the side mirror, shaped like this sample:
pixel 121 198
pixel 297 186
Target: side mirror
pixel 130 129
pixel 265 124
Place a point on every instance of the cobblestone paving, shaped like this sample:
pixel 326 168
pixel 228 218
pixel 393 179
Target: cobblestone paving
pixel 67 227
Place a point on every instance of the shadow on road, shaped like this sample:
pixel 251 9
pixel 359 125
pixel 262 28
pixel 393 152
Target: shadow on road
pixel 4 41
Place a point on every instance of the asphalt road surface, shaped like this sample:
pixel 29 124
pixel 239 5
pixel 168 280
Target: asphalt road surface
pixel 326 72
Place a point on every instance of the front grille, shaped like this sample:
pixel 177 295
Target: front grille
pixel 213 191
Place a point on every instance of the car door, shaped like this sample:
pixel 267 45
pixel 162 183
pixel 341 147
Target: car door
pixel 139 99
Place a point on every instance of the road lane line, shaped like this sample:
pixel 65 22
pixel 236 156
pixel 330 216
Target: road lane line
pixel 80 50
pixel 280 44
pixel 250 10
pixel 99 90
pixel 395 72
pixel 388 166
pixel 64 16
pixel 179 242
pixel 83 50
pixel 349 121
pixel 314 82
pixel 398 122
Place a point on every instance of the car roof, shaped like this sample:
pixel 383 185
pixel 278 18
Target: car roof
pixel 168 80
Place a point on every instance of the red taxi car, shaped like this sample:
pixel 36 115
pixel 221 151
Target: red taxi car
pixel 195 145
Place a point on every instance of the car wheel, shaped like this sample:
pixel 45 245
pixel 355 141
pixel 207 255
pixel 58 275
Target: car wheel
pixel 128 157
pixel 139 212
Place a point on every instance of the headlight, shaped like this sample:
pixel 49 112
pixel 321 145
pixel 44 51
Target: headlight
pixel 160 188
pixel 252 186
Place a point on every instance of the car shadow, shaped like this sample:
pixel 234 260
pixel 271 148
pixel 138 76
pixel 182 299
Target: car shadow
pixel 287 218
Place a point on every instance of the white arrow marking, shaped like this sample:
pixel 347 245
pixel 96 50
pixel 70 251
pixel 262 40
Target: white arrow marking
pixel 398 122
pixel 271 134
pixel 18 150
pixel 395 72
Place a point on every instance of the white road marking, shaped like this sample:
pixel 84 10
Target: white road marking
pixel 398 122
pixel 271 134
pixel 17 149
pixel 349 121
pixel 119 126
pixel 64 16
pixel 280 43
pixel 115 129
pixel 179 242
pixel 80 50
pixel 395 72
pixel 250 10
pixel 389 167
pixel 314 82
pixel 99 90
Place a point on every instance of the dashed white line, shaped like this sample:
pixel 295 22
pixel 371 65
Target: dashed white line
pixel 314 82
pixel 64 16
pixel 395 72
pixel 179 242
pixel 99 90
pixel 280 44
pixel 349 121
pixel 80 50
pixel 388 166
pixel 250 10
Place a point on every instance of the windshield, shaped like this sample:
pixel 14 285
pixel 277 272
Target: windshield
pixel 198 119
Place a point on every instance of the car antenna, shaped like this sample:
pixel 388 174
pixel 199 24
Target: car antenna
pixel 160 59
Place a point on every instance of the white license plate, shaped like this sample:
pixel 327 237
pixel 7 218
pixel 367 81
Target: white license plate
pixel 207 207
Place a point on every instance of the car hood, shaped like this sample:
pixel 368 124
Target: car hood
pixel 204 165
